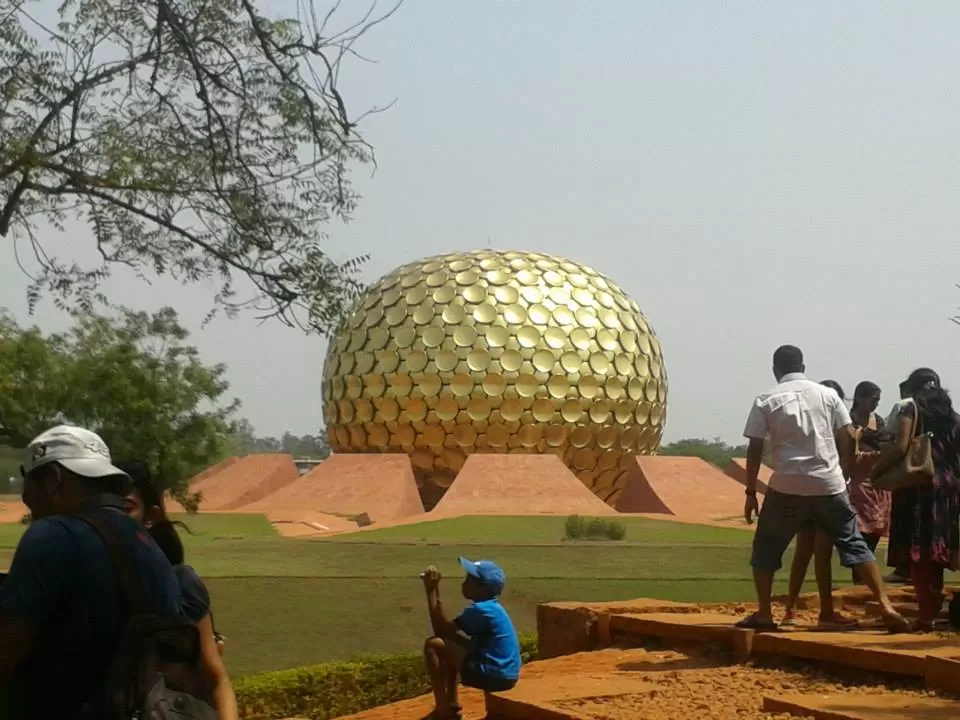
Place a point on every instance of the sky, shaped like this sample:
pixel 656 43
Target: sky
pixel 751 173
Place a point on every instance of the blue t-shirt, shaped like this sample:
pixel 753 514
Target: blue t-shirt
pixel 195 598
pixel 494 646
pixel 62 583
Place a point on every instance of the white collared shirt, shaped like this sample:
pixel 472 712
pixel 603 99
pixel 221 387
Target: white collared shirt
pixel 802 418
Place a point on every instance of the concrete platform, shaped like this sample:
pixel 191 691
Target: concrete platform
pixel 863 707
pixel 532 699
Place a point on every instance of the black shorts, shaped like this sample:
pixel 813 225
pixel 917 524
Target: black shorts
pixel 472 676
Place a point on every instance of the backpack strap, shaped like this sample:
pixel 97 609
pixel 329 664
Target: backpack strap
pixel 124 568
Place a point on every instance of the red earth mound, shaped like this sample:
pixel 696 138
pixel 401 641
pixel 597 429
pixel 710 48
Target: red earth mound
pixel 685 487
pixel 245 481
pixel 518 485
pixel 380 485
pixel 737 469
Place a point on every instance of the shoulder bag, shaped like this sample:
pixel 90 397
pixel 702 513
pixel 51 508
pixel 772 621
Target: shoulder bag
pixel 915 469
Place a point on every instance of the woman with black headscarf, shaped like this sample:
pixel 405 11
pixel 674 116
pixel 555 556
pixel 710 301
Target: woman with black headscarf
pixel 924 531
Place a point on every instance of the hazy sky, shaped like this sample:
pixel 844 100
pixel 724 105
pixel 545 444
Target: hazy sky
pixel 752 173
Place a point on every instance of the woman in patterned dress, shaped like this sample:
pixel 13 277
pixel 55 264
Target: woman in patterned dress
pixel 872 505
pixel 925 522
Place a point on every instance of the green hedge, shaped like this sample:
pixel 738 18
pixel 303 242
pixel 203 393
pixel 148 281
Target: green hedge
pixel 340 688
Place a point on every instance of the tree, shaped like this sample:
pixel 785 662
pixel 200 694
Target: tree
pixel 245 441
pixel 714 451
pixel 196 138
pixel 131 377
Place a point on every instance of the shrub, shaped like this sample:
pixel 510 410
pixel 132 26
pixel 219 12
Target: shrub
pixel 575 527
pixel 340 688
pixel 579 528
pixel 616 530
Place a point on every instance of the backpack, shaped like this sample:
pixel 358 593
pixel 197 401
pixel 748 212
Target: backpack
pixel 156 671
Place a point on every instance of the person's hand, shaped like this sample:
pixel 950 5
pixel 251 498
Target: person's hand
pixel 431 578
pixel 750 508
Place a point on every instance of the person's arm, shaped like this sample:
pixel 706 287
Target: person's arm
pixel 224 699
pixel 754 461
pixel 442 627
pixel 899 448
pixel 28 594
pixel 846 449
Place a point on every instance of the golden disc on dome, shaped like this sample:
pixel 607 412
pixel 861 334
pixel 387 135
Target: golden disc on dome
pixel 465 336
pixel 396 315
pixel 475 294
pixel 599 411
pixel 498 277
pixel 607 438
pixel 571 411
pixel 506 295
pixel 416 295
pixel 496 336
pixel 528 336
pixel 433 337
pixel 401 385
pixel 623 364
pixel 364 410
pixel 415 409
pixel 570 362
pixel 526 385
pixel 643 343
pixel 429 384
pixel 478 360
pixel 538 315
pixel 562 316
pixel 485 313
pixel 433 435
pixel 652 389
pixel 599 363
pixel 497 436
pixel 542 410
pixel 465 435
pixel 555 435
pixel 589 387
pixel 586 318
pixel 543 360
pixel 365 363
pixel 532 294
pixel 423 314
pixel 461 385
pixel 581 437
pixel 582 297
pixel 558 386
pixel 559 295
pixel 416 360
pixel 656 414
pixel 467 277
pixel 460 265
pixel 478 408
pixel 446 360
pixel 526 277
pixel 554 338
pixel 404 337
pixel 444 295
pixel 494 384
pixel 388 408
pixel 374 385
pixel 642 413
pixel 607 339
pixel 623 412
pixel 511 360
pixel 515 314
pixel 530 435
pixel 511 409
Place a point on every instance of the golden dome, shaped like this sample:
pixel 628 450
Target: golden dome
pixel 491 351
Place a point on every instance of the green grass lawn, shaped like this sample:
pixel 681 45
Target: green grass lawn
pixel 285 603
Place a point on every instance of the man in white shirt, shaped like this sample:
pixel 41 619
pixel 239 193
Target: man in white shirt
pixel 804 421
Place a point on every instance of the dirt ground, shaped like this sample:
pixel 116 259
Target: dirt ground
pixel 682 684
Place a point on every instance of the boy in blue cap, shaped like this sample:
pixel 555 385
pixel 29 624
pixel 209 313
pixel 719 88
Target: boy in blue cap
pixel 480 644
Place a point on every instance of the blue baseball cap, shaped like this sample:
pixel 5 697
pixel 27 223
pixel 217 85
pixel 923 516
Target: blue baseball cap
pixel 486 571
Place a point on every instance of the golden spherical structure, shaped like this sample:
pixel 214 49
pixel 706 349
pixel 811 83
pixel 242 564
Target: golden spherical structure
pixel 491 351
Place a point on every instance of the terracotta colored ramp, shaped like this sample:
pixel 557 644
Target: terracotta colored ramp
pixel 348 484
pixel 520 484
pixel 737 469
pixel 685 487
pixel 888 706
pixel 249 479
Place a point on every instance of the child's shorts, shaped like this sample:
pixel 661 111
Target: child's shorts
pixel 472 676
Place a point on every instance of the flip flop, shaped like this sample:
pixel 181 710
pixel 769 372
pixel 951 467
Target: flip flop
pixel 896 623
pixel 752 622
pixel 838 624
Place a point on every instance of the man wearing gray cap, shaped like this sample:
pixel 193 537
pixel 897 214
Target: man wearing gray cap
pixel 60 611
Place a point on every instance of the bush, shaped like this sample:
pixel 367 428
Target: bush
pixel 575 527
pixel 579 528
pixel 616 530
pixel 340 688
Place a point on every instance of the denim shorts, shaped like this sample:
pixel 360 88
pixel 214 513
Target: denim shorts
pixel 783 516
pixel 472 676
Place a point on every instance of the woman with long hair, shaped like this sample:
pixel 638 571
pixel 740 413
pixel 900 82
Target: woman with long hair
pixel 872 505
pixel 145 504
pixel 924 528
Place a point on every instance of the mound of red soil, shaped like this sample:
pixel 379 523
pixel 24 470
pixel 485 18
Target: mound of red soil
pixel 380 485
pixel 246 481
pixel 518 485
